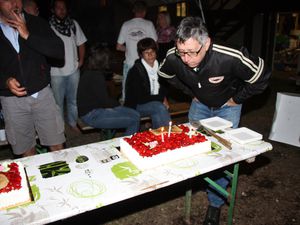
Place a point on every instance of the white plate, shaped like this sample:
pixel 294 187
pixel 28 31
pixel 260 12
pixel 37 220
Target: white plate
pixel 216 123
pixel 243 135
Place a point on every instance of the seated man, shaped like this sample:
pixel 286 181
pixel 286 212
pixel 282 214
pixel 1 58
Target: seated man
pixel 143 91
pixel 95 107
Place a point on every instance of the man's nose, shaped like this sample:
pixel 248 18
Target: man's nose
pixel 185 58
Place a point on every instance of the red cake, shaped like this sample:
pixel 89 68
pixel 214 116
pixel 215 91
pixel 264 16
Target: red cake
pixel 13 185
pixel 154 148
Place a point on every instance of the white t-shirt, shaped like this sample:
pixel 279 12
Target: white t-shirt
pixel 131 32
pixel 71 52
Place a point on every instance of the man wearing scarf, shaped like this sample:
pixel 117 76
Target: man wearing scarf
pixel 64 80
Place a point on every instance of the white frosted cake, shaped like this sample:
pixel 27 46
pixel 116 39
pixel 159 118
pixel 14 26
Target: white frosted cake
pixel 14 189
pixel 154 148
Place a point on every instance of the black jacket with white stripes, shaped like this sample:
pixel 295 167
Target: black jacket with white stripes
pixel 223 73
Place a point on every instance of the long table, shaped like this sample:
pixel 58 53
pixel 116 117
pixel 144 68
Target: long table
pixel 76 180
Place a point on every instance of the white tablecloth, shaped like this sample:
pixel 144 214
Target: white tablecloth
pixel 98 181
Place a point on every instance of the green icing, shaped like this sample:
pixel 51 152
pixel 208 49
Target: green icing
pixel 35 192
pixel 31 178
pixel 125 170
pixel 86 188
pixel 215 147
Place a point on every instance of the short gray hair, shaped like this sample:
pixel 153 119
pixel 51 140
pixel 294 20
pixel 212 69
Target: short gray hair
pixel 192 27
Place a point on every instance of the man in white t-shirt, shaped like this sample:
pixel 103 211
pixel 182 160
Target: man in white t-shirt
pixel 64 80
pixel 131 32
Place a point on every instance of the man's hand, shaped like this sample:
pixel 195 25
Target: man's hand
pixel 14 86
pixel 230 102
pixel 19 24
pixel 120 47
pixel 166 103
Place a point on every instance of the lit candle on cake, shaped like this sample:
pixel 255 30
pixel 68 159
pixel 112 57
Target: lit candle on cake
pixel 190 132
pixel 162 134
pixel 170 127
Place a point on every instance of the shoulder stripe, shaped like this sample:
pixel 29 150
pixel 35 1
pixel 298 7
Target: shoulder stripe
pixel 258 73
pixel 162 74
pixel 171 51
pixel 165 75
pixel 238 54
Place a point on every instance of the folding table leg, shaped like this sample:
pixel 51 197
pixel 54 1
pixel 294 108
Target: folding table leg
pixel 187 206
pixel 230 196
pixel 233 192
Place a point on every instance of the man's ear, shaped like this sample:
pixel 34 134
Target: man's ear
pixel 207 43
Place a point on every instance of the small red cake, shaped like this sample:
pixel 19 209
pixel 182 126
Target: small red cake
pixel 13 185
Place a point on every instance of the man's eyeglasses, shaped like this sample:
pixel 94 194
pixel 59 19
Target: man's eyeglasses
pixel 190 54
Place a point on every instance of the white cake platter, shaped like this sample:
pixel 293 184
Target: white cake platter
pixel 243 135
pixel 216 123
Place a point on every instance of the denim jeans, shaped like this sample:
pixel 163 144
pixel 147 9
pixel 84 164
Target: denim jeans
pixel 114 118
pixel 126 68
pixel 200 111
pixel 157 111
pixel 66 87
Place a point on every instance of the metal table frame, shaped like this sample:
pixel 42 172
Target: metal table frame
pixel 229 195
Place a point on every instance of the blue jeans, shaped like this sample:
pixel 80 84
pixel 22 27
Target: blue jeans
pixel 114 118
pixel 157 111
pixel 126 68
pixel 199 111
pixel 66 87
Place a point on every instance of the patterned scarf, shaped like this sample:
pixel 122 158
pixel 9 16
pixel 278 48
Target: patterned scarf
pixel 63 26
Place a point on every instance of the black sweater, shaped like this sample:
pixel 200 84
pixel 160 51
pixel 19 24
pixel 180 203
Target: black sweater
pixel 29 66
pixel 92 93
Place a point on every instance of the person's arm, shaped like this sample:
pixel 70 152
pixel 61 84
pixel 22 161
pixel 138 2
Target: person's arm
pixel 39 36
pixel 80 42
pixel 19 24
pixel 231 102
pixel 15 87
pixel 133 88
pixel 167 71
pixel 166 102
pixel 180 85
pixel 255 74
pixel 81 54
pixel 120 47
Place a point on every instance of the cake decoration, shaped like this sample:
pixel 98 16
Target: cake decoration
pixel 149 143
pixel 13 176
pixel 3 181
pixel 14 189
